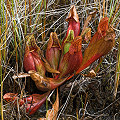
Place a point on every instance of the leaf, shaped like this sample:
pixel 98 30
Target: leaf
pixel 45 83
pixel 71 61
pixel 48 67
pixel 73 22
pixel 101 43
pixel 67 42
pixel 31 43
pixel 53 51
pixel 32 59
pixel 52 114
pixel 28 60
pixel 53 41
pixel 101 30
pixel 73 14
pixel 97 49
pixel 33 102
pixel 37 101
pixel 75 45
pixel 103 26
pixel 12 97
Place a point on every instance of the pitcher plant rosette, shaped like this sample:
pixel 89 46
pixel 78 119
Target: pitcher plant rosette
pixel 63 60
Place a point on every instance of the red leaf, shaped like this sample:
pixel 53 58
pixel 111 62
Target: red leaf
pixel 97 49
pixel 32 60
pixel 73 22
pixel 103 26
pixel 101 31
pixel 101 43
pixel 53 51
pixel 75 45
pixel 38 100
pixel 71 61
pixel 9 97
pixel 34 101
pixel 28 60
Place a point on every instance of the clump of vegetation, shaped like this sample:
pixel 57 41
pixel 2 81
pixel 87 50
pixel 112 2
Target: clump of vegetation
pixel 25 30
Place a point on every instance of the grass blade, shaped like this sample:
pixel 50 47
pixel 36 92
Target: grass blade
pixel 116 17
pixel 116 83
pixel 25 20
pixel 103 8
pixel 45 7
pixel 111 13
pixel 100 10
pixel 39 9
pixel 117 9
pixel 1 78
pixel 30 18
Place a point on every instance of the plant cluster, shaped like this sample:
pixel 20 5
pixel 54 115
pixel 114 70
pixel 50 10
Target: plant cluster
pixel 63 60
